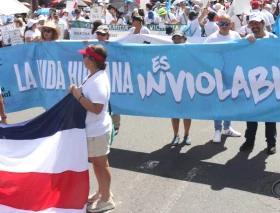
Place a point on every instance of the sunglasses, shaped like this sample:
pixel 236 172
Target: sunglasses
pixel 100 34
pixel 47 30
pixel 223 23
pixel 86 55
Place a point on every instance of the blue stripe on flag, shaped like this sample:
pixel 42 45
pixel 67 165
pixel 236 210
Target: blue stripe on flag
pixel 66 114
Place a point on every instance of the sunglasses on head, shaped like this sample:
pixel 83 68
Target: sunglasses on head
pixel 47 30
pixel 100 34
pixel 223 23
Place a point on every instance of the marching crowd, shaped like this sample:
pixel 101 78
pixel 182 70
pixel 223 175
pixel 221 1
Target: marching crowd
pixel 215 21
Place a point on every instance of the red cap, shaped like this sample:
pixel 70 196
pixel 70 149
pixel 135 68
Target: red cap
pixel 256 4
pixel 91 52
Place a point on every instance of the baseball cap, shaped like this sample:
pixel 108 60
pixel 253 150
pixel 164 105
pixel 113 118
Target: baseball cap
pixel 256 18
pixel 255 4
pixel 151 15
pixel 157 3
pixel 65 10
pixel 268 6
pixel 31 22
pixel 10 20
pixel 178 33
pixel 162 11
pixel 102 29
pixel 41 18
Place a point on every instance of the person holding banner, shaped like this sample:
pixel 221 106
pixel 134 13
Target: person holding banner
pixel 94 95
pixel 223 34
pixel 32 34
pixel 3 116
pixel 257 24
pixel 179 37
pixel 50 32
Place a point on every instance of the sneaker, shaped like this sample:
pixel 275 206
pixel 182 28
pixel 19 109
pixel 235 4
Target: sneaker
pixel 231 132
pixel 271 149
pixel 176 141
pixel 187 140
pixel 217 137
pixel 246 146
pixel 94 197
pixel 100 206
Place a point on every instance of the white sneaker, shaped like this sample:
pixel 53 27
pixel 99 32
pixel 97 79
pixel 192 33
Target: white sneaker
pixel 217 137
pixel 187 140
pixel 231 132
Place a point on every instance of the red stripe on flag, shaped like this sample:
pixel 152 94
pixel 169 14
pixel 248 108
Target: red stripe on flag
pixel 75 5
pixel 40 191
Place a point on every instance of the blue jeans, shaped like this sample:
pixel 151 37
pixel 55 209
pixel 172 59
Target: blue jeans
pixel 218 125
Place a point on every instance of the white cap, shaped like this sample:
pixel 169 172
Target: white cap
pixel 41 18
pixel 65 10
pixel 268 6
pixel 31 22
pixel 255 17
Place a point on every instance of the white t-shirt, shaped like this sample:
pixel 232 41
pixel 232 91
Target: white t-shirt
pixel 244 30
pixel 32 34
pixel 109 17
pixel 210 28
pixel 267 35
pixel 195 29
pixel 183 18
pixel 269 15
pixel 97 90
pixel 156 19
pixel 217 37
pixel 168 18
pixel 143 30
pixel 79 19
pixel 61 22
pixel 121 21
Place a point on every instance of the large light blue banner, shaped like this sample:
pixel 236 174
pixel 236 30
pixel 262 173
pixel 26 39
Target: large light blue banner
pixel 227 81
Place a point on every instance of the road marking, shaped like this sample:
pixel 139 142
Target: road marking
pixel 180 189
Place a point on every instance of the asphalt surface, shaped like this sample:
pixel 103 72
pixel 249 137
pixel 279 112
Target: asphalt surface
pixel 148 175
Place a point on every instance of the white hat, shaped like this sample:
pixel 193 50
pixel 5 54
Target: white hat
pixel 255 17
pixel 31 22
pixel 268 6
pixel 65 10
pixel 41 18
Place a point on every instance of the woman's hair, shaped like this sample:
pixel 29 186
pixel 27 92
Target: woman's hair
pixel 100 50
pixel 54 37
pixel 211 16
pixel 96 24
pixel 26 29
pixel 141 12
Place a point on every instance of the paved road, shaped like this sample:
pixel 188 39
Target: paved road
pixel 148 175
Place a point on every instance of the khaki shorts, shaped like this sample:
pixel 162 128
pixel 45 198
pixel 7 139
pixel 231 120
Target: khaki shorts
pixel 99 146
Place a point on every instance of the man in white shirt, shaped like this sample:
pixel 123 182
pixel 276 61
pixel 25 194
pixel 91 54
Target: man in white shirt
pixel 184 18
pixel 167 18
pixel 211 25
pixel 78 16
pixel 151 17
pixel 57 21
pixel 110 17
pixel 267 10
pixel 181 10
pixel 256 10
pixel 223 34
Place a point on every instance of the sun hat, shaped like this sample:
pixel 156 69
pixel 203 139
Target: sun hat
pixel 162 11
pixel 50 24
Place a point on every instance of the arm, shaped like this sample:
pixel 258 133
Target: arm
pixel 204 13
pixel 2 111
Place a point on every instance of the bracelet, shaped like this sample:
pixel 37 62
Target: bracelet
pixel 80 98
pixel 4 117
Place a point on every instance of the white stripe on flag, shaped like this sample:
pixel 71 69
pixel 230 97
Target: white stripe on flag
pixel 7 209
pixel 66 150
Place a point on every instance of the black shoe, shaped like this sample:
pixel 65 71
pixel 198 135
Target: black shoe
pixel 271 149
pixel 246 146
pixel 176 141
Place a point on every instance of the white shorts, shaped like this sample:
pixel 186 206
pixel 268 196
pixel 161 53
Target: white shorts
pixel 99 146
